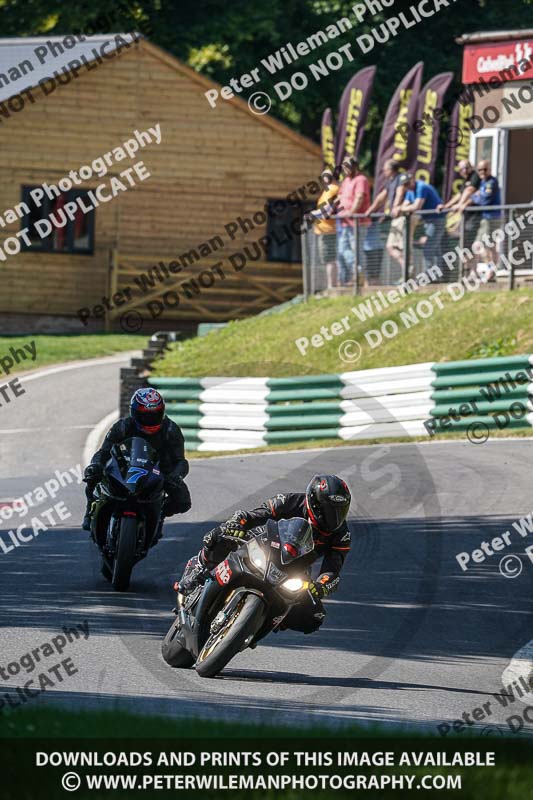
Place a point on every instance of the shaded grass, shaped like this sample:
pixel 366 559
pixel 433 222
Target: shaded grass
pixel 52 721
pixel 55 722
pixel 482 323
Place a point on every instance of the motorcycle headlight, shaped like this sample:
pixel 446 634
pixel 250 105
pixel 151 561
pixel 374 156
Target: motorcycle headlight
pixel 294 585
pixel 256 556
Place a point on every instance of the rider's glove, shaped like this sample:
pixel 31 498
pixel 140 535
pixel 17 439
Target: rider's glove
pixel 93 472
pixel 235 527
pixel 322 586
pixel 317 590
pixel 173 480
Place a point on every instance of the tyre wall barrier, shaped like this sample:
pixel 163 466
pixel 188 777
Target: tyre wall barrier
pixel 219 414
pixel 487 394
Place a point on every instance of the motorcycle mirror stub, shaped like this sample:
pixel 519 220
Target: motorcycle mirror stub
pixel 275 575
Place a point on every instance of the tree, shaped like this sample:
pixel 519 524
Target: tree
pixel 225 40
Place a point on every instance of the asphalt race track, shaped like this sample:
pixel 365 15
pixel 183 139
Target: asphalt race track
pixel 409 638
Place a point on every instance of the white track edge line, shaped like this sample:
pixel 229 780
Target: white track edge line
pixel 362 446
pixel 91 362
pixel 95 437
pixel 521 666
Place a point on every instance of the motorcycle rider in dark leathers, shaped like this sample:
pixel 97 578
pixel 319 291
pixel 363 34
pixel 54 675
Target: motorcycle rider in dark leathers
pixel 325 504
pixel 148 421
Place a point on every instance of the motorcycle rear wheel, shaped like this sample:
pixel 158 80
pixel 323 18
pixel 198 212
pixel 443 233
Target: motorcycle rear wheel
pixel 222 646
pixel 106 571
pixel 172 649
pixel 125 554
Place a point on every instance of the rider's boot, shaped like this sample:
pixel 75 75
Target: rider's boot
pixel 158 532
pixel 195 574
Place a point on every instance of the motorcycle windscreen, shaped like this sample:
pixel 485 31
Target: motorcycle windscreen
pixel 295 537
pixel 134 456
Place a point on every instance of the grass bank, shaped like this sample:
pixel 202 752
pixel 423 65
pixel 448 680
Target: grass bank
pixel 56 349
pixel 481 324
pixel 55 722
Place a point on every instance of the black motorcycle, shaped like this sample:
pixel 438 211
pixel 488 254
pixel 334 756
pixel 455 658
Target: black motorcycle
pixel 247 596
pixel 126 517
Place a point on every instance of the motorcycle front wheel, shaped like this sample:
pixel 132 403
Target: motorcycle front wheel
pixel 223 645
pixel 125 554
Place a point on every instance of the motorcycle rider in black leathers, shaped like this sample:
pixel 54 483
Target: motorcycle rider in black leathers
pixel 325 504
pixel 148 421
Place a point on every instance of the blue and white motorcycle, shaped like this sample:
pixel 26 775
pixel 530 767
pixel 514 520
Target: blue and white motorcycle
pixel 126 517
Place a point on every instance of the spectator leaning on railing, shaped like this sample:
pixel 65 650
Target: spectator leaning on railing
pixel 460 200
pixel 422 196
pixel 325 227
pixel 354 198
pixel 479 189
pixel 471 183
pixel 488 194
pixel 389 200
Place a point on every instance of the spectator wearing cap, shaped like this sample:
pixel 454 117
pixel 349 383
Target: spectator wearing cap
pixel 354 198
pixel 422 196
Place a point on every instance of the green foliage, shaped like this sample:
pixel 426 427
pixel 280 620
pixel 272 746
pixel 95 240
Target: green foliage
pixel 210 57
pixel 504 346
pixel 227 39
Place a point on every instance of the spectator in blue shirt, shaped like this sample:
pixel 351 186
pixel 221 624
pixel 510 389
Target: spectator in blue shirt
pixel 488 194
pixel 422 196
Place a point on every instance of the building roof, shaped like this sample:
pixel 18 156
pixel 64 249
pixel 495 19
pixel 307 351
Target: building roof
pixel 494 36
pixel 14 51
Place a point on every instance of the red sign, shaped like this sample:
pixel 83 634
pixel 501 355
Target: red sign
pixel 505 61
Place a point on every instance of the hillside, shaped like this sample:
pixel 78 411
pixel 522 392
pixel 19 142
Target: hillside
pixel 482 324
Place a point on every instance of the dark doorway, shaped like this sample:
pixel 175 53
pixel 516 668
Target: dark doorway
pixel 519 183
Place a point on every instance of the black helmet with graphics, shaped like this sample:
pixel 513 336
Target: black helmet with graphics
pixel 327 499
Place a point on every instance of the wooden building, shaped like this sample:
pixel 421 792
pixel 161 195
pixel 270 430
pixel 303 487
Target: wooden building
pixel 212 167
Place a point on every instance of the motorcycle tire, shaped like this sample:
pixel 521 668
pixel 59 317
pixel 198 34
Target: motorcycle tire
pixel 125 554
pixel 172 649
pixel 222 646
pixel 106 571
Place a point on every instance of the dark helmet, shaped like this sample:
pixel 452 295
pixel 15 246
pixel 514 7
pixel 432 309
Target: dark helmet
pixel 328 501
pixel 147 408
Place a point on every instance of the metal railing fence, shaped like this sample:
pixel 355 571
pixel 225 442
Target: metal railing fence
pixel 494 242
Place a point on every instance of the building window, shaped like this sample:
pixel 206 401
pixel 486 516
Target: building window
pixel 283 225
pixel 53 229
